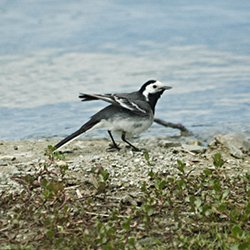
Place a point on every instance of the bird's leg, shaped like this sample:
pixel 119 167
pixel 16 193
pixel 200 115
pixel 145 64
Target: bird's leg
pixel 131 145
pixel 114 145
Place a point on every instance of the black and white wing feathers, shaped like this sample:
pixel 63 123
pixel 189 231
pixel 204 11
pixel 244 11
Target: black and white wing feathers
pixel 117 100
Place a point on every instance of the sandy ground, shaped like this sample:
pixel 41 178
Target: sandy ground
pixel 126 167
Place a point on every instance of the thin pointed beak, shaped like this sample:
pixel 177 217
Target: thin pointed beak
pixel 166 87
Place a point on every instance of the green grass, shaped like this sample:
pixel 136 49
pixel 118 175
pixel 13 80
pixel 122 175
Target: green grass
pixel 187 210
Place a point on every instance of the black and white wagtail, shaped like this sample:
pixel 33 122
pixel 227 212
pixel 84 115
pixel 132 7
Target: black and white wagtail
pixel 129 114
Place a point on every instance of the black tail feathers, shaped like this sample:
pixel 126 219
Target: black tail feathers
pixel 86 97
pixel 88 125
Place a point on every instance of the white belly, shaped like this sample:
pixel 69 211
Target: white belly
pixel 129 126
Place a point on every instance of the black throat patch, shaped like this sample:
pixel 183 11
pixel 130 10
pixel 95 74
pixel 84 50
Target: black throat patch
pixel 153 98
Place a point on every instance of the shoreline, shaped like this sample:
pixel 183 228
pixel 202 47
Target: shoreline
pixel 126 167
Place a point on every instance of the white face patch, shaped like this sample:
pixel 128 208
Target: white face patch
pixel 153 88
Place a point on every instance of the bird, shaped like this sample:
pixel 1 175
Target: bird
pixel 128 113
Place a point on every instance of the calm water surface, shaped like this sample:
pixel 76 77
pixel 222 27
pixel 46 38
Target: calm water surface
pixel 52 50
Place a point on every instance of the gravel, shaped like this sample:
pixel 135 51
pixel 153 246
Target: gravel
pixel 126 167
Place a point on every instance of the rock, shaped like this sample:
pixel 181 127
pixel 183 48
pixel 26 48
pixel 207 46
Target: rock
pixel 3 163
pixel 194 148
pixel 169 144
pixel 8 158
pixel 61 163
pixel 237 144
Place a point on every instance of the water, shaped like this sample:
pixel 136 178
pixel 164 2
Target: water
pixel 52 50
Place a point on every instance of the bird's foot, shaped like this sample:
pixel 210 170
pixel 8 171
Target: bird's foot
pixel 113 148
pixel 136 149
pixel 133 148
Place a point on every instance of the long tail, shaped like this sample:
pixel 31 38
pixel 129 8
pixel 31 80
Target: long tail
pixel 87 97
pixel 88 125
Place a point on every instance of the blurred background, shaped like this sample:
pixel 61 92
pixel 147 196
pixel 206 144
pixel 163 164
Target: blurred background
pixel 52 50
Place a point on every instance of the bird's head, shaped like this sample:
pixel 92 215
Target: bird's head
pixel 152 91
pixel 153 88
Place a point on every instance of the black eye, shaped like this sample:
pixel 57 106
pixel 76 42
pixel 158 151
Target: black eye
pixel 154 86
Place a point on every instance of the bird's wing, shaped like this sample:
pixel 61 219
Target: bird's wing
pixel 116 99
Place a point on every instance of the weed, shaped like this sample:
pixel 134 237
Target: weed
pixel 185 210
pixel 52 154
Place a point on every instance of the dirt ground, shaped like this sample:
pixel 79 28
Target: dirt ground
pixel 126 167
